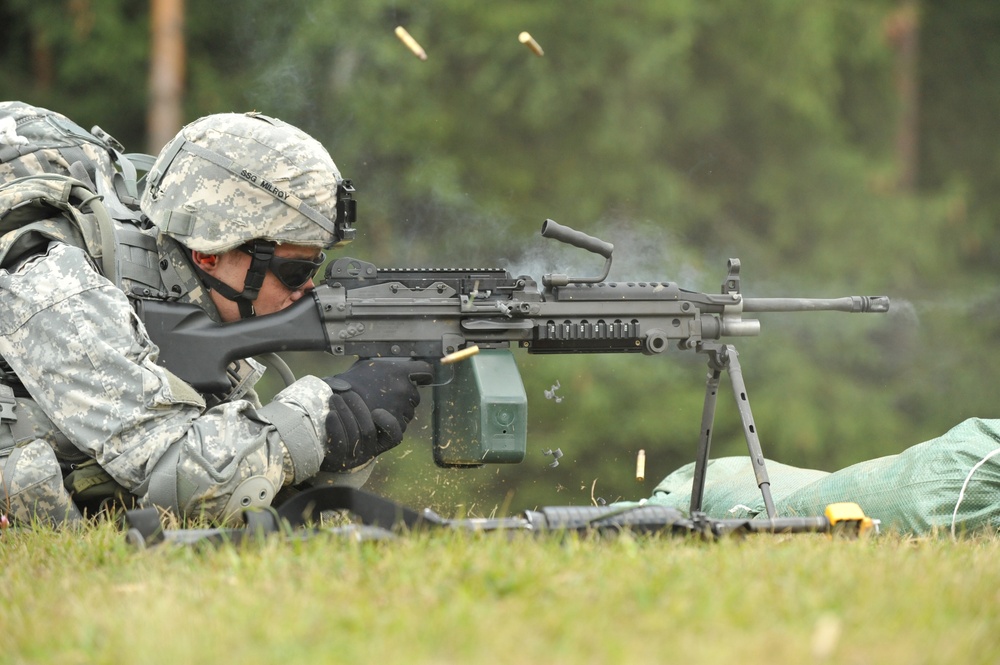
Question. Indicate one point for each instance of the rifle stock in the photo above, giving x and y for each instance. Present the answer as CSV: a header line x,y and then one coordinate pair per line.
x,y
199,350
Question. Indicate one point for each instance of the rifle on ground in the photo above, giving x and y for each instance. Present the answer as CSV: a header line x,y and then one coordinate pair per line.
x,y
375,518
469,319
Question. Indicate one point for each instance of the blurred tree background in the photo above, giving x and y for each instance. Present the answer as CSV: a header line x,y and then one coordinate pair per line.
x,y
836,148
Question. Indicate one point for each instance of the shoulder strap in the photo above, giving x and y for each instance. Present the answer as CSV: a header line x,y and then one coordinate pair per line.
x,y
38,209
27,206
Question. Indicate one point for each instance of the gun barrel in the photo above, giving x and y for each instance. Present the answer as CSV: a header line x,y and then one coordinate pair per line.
x,y
861,304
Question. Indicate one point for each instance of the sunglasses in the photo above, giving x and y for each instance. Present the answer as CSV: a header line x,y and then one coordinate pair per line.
x,y
292,273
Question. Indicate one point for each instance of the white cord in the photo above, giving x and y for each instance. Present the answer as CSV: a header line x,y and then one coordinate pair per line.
x,y
961,494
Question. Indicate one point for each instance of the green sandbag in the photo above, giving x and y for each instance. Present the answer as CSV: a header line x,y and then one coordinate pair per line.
x,y
951,483
730,487
920,490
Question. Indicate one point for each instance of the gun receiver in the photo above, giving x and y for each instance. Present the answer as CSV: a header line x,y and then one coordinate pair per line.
x,y
369,312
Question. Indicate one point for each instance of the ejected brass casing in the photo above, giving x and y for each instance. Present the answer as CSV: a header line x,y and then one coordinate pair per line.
x,y
529,41
410,42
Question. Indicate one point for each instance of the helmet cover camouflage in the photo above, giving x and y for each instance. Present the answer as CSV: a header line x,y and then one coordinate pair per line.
x,y
230,178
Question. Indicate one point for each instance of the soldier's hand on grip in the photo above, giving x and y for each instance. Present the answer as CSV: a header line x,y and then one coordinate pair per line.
x,y
371,406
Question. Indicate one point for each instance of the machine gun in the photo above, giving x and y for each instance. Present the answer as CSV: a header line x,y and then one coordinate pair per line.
x,y
468,320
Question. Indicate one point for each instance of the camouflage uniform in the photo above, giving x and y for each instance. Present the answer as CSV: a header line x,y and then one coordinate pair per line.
x,y
85,369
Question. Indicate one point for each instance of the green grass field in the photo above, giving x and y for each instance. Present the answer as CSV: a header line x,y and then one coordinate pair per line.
x,y
88,597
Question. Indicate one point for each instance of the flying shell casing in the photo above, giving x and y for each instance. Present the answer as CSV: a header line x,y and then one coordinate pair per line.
x,y
529,41
460,355
410,42
640,465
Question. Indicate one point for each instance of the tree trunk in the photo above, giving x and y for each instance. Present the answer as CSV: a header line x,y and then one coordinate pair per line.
x,y
166,72
902,31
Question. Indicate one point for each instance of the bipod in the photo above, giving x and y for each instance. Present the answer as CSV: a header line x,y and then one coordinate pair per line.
x,y
724,358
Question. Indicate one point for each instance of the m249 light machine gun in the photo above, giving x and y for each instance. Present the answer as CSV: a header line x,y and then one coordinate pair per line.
x,y
480,409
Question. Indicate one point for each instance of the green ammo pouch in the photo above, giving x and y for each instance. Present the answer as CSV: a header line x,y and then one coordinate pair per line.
x,y
88,483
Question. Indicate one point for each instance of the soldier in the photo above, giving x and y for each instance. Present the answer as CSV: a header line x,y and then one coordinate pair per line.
x,y
241,208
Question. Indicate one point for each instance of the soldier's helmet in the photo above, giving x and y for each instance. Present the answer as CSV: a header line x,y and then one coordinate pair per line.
x,y
228,179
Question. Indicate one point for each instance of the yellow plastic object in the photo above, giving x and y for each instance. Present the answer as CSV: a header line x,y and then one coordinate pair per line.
x,y
847,511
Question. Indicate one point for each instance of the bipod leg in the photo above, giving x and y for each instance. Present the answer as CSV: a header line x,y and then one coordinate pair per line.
x,y
732,365
707,423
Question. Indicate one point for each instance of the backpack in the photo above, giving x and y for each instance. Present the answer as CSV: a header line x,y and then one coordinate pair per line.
x,y
34,140
59,181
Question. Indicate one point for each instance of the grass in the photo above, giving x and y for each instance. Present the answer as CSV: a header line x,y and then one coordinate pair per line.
x,y
88,597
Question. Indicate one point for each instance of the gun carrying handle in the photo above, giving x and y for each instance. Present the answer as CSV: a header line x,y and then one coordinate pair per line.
x,y
576,238
572,237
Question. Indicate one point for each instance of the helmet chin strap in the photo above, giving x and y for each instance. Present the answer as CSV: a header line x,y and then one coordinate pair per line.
x,y
260,259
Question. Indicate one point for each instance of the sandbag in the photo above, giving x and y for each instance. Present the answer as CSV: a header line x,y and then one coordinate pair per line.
x,y
730,487
947,485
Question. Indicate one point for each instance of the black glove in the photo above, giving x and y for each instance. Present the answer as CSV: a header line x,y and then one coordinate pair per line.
x,y
372,404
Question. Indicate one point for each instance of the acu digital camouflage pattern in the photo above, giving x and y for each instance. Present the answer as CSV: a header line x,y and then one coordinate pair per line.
x,y
26,203
77,347
41,141
281,185
30,448
33,486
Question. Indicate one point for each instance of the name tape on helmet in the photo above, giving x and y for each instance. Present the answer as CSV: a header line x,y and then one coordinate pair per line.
x,y
264,184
